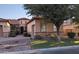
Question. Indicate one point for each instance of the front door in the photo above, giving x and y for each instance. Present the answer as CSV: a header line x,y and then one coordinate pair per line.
x,y
22,30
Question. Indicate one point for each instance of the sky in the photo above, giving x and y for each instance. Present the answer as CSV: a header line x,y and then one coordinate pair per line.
x,y
12,11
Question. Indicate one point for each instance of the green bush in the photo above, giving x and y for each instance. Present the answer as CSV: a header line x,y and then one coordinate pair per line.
x,y
71,34
78,34
26,34
53,35
38,37
12,33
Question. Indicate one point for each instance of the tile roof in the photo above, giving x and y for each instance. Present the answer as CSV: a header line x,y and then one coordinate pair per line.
x,y
34,18
13,21
23,19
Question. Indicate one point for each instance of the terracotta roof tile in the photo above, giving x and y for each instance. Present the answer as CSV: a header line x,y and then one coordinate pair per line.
x,y
13,21
23,19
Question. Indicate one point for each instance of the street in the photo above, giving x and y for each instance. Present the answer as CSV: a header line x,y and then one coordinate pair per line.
x,y
54,50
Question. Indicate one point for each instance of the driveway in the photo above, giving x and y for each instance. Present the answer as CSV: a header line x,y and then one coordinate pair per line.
x,y
12,44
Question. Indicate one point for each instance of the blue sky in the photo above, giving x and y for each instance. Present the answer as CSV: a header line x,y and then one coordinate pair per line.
x,y
12,11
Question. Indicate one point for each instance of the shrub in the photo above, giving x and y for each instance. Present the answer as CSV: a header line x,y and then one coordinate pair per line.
x,y
71,34
37,37
26,34
17,32
12,33
53,35
78,34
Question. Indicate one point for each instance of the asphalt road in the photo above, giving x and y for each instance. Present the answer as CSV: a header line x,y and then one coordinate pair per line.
x,y
54,50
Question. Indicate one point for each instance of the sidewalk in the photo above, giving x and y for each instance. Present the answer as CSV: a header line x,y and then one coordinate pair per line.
x,y
13,38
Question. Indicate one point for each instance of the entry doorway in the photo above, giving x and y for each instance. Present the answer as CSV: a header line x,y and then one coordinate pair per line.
x,y
21,30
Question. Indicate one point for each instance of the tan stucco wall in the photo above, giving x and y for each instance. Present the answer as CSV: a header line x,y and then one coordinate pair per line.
x,y
29,27
64,28
49,27
37,23
68,28
22,22
5,29
6,26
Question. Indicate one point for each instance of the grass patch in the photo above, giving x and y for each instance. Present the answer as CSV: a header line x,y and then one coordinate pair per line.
x,y
36,44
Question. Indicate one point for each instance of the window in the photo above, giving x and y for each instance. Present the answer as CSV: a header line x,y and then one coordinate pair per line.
x,y
67,22
43,26
21,21
54,28
0,26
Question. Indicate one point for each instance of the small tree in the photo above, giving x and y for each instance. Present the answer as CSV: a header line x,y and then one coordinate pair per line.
x,y
57,13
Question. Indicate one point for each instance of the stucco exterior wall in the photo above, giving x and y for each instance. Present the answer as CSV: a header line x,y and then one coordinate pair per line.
x,y
68,28
5,29
22,22
49,27
37,29
29,27
5,26
65,28
37,24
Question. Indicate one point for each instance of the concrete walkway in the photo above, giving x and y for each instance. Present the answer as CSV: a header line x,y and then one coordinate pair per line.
x,y
12,38
55,50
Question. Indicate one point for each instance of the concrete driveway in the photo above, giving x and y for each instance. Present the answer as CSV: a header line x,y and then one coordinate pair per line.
x,y
12,44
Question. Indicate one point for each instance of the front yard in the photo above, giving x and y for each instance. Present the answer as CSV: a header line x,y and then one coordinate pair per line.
x,y
36,44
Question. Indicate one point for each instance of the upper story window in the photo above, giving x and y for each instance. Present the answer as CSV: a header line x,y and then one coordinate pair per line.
x,y
54,28
21,21
0,26
67,22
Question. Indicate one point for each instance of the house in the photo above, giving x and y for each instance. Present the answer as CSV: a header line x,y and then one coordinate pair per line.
x,y
38,26
14,24
4,28
18,24
68,26
8,25
22,24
